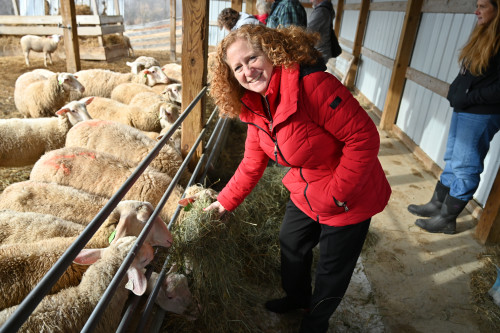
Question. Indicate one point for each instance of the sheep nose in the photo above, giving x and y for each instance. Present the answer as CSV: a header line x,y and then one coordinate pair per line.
x,y
82,89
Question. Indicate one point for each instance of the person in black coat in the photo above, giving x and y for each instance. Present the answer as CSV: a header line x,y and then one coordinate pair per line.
x,y
321,21
475,98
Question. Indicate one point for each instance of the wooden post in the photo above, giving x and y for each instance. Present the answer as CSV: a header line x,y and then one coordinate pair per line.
x,y
194,70
403,55
117,8
488,227
96,13
16,7
237,5
358,42
68,14
173,28
338,16
251,9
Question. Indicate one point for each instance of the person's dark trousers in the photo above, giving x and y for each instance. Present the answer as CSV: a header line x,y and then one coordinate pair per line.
x,y
339,249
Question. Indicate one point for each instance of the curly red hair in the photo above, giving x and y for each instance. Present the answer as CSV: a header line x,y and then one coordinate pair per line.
x,y
283,47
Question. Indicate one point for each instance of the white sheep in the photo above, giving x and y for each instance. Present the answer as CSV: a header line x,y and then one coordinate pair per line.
x,y
127,219
173,93
173,71
101,82
103,174
36,95
142,112
47,45
64,202
25,140
124,92
27,261
141,63
128,44
27,227
133,146
69,309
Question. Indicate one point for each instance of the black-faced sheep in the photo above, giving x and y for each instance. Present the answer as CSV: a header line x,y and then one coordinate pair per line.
x,y
25,140
39,95
69,309
47,45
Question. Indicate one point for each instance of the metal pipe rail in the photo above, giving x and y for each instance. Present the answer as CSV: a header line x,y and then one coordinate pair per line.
x,y
28,305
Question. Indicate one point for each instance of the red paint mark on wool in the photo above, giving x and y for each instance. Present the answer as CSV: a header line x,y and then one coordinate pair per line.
x,y
57,164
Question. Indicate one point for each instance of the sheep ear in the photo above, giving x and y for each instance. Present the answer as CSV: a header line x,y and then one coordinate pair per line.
x,y
166,112
62,111
88,256
129,64
137,281
89,100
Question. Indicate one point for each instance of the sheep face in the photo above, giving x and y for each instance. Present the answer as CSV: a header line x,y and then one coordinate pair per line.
x,y
173,92
169,113
155,76
69,82
76,111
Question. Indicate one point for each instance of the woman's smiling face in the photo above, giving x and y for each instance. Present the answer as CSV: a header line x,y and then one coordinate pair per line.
x,y
252,68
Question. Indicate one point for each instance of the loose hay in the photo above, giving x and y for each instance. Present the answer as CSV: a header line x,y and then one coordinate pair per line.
x,y
232,257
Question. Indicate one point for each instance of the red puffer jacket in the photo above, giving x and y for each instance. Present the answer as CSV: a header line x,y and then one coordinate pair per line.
x,y
320,131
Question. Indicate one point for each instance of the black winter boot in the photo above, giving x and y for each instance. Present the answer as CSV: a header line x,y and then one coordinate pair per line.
x,y
446,221
433,207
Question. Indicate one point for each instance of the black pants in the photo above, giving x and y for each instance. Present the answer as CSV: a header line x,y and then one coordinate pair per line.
x,y
339,249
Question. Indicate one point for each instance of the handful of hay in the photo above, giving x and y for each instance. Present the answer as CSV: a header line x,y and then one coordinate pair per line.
x,y
231,259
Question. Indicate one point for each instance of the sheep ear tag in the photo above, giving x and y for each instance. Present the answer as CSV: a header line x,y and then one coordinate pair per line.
x,y
112,236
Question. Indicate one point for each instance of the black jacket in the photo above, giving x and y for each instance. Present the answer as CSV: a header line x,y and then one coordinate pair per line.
x,y
321,21
477,94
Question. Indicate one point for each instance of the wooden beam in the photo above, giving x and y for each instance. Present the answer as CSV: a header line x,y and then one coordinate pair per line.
x,y
380,58
389,6
346,42
338,17
237,5
173,21
488,227
352,6
71,47
251,8
425,80
404,52
449,6
358,42
194,71
117,7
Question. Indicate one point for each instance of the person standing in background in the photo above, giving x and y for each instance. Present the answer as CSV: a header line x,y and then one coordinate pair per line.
x,y
263,10
285,13
320,21
230,19
475,98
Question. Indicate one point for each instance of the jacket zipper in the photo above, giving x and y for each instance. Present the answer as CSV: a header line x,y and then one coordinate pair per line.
x,y
270,118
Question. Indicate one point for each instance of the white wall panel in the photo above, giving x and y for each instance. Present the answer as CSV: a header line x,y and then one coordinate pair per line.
x,y
373,81
349,24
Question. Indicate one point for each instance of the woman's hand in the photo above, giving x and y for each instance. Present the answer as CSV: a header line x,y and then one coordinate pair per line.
x,y
216,205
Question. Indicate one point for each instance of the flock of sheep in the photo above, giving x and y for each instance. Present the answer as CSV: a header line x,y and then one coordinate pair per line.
x,y
86,133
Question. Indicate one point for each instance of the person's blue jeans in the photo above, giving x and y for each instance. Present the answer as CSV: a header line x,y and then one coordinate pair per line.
x,y
468,143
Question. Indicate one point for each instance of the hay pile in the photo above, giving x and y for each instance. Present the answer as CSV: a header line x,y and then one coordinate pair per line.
x,y
233,260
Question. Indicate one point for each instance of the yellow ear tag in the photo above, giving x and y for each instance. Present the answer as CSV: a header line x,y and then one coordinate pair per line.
x,y
112,236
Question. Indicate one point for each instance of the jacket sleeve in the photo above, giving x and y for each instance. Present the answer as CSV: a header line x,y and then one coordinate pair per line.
x,y
489,94
247,174
318,21
335,109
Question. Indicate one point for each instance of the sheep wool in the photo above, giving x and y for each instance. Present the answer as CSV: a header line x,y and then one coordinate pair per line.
x,y
102,174
62,201
36,96
141,63
124,92
68,310
101,82
25,140
47,45
134,145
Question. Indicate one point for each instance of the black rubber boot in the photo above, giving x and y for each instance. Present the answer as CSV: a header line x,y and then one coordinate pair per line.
x,y
433,207
446,221
283,305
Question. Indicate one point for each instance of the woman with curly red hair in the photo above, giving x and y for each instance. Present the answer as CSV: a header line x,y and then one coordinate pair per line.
x,y
304,119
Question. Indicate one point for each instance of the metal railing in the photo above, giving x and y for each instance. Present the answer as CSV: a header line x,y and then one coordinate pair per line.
x,y
28,305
